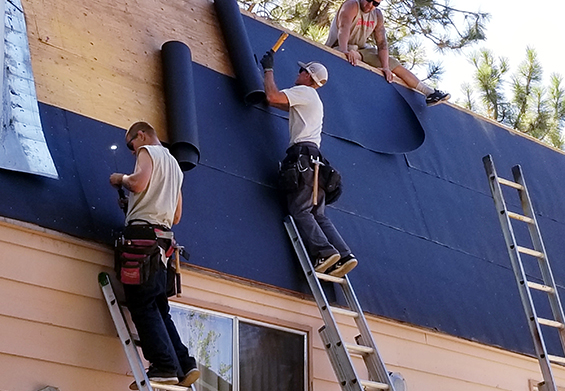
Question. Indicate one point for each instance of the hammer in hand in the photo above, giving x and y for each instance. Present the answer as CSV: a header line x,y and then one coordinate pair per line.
x,y
317,163
279,42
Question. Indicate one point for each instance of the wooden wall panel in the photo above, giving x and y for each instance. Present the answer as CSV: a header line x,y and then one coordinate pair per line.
x,y
102,58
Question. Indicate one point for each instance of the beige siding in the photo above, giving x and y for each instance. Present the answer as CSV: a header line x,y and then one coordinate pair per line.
x,y
56,329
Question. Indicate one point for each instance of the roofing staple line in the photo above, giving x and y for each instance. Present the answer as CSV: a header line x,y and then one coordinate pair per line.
x,y
417,236
237,176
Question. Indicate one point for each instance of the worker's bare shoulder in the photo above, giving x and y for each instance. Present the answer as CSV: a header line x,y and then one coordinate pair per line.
x,y
349,8
379,13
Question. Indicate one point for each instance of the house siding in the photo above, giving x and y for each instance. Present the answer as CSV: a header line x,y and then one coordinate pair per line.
x,y
56,328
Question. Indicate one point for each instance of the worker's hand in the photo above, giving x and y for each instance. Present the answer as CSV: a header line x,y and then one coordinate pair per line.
x,y
268,60
353,56
388,74
116,180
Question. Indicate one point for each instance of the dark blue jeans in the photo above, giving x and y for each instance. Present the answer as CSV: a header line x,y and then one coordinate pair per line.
x,y
317,231
160,341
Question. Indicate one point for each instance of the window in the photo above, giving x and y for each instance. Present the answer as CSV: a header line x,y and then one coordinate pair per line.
x,y
236,354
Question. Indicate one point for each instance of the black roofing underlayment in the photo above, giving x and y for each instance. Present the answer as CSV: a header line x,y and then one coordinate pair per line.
x,y
422,223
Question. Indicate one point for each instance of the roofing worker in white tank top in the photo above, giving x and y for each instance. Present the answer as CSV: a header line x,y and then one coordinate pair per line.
x,y
328,251
155,200
354,23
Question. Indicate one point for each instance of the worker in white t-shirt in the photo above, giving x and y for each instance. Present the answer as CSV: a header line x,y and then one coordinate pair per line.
x,y
326,247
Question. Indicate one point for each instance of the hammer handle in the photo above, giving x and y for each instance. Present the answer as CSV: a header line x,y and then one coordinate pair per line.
x,y
279,42
315,189
177,275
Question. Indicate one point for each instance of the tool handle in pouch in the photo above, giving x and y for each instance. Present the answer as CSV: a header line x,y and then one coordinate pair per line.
x,y
177,275
315,185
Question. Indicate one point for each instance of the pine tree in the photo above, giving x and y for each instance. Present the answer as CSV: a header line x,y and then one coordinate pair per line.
x,y
489,79
533,109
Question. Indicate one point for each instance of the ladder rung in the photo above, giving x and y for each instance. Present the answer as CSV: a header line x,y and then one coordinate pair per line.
x,y
523,218
541,287
529,251
327,277
556,359
373,385
343,311
551,323
159,386
358,349
513,184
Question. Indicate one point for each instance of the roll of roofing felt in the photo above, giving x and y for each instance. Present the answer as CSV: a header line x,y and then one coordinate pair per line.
x,y
181,105
242,58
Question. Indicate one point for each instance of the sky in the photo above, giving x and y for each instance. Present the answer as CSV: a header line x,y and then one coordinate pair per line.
x,y
514,25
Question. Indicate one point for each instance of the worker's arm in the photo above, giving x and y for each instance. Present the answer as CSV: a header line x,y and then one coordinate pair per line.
x,y
178,211
380,38
139,180
344,23
275,97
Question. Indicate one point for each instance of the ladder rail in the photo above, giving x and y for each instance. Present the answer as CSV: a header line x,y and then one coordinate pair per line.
x,y
333,341
128,342
332,334
519,273
124,334
375,361
544,265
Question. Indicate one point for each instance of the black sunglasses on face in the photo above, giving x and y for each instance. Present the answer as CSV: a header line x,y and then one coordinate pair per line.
x,y
302,70
375,3
129,143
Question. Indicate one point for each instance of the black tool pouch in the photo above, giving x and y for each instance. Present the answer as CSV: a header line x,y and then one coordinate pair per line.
x,y
289,177
137,254
330,180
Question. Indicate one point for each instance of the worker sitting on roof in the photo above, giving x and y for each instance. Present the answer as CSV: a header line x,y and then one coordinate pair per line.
x,y
306,200
354,23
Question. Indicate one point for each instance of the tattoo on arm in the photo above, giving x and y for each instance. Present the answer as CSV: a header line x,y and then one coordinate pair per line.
x,y
380,37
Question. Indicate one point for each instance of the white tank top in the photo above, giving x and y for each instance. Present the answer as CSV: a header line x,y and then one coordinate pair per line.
x,y
158,202
362,27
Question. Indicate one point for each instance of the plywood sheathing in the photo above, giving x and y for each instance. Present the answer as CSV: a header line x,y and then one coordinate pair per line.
x,y
102,59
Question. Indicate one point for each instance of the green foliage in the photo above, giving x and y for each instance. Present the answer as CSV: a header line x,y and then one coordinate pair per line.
x,y
468,102
445,26
489,81
203,342
533,109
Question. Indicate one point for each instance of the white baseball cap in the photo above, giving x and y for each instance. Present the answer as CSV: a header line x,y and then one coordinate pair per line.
x,y
318,72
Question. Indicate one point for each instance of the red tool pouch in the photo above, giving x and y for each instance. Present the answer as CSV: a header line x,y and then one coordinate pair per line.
x,y
137,255
137,260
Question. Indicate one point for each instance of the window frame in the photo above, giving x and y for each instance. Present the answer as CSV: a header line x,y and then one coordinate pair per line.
x,y
236,319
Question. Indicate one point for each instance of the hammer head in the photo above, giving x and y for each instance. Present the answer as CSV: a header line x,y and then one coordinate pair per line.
x,y
316,161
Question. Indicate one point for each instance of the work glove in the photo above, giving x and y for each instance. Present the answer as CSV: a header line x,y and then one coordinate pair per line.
x,y
268,61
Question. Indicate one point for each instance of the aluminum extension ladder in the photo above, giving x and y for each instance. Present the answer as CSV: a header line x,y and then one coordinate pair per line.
x,y
338,351
128,342
538,252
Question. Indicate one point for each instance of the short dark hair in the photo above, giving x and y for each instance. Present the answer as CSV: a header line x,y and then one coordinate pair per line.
x,y
141,126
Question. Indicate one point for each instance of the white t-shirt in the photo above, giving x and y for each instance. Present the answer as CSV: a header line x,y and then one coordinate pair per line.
x,y
305,115
158,202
